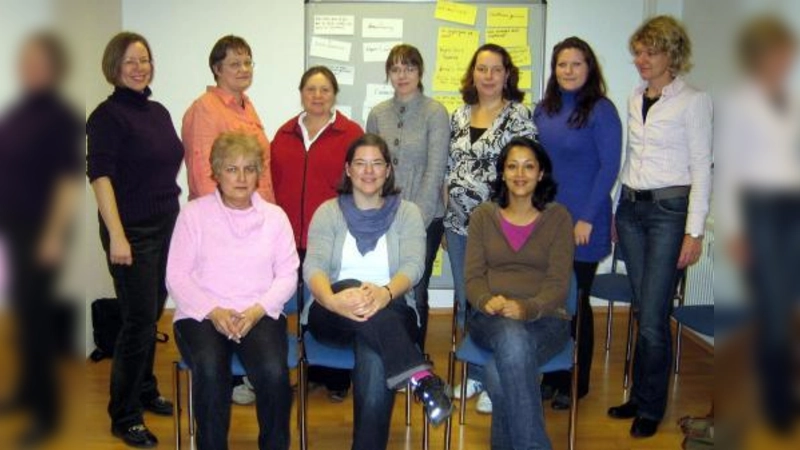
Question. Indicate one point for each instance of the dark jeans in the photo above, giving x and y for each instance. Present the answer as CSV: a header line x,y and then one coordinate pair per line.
x,y
561,380
263,353
511,376
434,235
651,235
141,292
386,356
772,223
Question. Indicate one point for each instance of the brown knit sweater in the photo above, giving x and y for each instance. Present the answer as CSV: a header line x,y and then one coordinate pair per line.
x,y
537,275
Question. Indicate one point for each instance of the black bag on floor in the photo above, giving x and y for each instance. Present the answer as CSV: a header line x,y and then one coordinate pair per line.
x,y
106,323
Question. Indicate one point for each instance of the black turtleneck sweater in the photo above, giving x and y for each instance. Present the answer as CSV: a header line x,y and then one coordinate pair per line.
x,y
131,140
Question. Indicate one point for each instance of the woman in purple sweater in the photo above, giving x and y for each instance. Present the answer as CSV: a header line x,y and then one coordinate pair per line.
x,y
582,132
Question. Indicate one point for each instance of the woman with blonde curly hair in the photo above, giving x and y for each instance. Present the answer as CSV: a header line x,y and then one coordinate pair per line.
x,y
666,184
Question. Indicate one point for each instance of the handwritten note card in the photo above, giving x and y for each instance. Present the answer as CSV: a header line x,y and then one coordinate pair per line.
x,y
507,36
334,25
458,37
456,12
520,55
382,28
376,93
330,49
506,17
450,102
458,57
378,51
525,79
345,75
447,78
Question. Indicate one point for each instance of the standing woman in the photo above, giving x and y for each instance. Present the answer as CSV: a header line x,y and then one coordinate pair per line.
x,y
307,164
491,116
223,107
581,131
133,158
666,183
417,130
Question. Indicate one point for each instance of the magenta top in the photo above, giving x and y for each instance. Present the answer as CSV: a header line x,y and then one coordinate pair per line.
x,y
516,235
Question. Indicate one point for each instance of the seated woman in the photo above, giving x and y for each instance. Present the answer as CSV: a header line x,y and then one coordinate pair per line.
x,y
518,269
232,266
365,253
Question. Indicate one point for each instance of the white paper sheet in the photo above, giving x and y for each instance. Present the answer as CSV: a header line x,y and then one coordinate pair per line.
x,y
334,25
382,28
378,51
376,93
330,49
345,75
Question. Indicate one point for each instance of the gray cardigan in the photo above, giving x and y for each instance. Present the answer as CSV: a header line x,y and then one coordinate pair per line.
x,y
405,242
418,134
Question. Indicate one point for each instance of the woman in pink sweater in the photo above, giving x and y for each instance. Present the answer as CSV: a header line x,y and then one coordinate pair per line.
x,y
232,266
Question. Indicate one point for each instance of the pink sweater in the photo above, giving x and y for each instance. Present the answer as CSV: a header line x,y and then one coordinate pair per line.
x,y
231,258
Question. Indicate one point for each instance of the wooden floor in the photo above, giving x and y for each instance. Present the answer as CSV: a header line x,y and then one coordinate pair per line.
x,y
330,424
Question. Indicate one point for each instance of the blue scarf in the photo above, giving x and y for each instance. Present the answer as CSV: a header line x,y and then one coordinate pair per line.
x,y
368,225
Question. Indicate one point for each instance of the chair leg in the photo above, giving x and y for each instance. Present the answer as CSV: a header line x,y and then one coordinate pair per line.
x,y
302,374
678,347
176,402
629,348
448,426
573,404
463,405
425,431
408,403
190,403
609,324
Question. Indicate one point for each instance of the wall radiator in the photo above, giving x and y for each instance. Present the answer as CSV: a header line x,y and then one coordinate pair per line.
x,y
700,276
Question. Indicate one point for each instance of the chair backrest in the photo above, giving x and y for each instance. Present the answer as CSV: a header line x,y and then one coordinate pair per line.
x,y
572,296
616,256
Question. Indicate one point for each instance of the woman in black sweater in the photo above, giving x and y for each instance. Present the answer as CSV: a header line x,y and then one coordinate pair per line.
x,y
133,159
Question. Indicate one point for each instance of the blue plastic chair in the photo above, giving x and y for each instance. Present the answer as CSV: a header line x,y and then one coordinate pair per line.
x,y
699,318
237,369
612,287
468,352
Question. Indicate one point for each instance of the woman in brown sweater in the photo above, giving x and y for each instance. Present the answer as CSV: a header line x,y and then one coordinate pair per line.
x,y
518,268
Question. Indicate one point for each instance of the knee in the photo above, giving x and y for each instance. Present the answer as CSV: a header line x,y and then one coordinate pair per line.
x,y
269,374
512,341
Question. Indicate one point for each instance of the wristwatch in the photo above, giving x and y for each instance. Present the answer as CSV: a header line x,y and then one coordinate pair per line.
x,y
696,236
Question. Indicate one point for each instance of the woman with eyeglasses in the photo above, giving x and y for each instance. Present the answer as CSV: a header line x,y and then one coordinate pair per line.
x,y
366,251
492,114
417,130
224,107
133,158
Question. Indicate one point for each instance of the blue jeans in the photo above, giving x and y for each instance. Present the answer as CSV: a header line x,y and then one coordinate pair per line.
x,y
518,348
651,235
263,353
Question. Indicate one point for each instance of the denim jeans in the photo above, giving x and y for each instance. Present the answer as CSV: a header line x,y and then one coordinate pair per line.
x,y
518,348
651,235
142,292
263,353
433,241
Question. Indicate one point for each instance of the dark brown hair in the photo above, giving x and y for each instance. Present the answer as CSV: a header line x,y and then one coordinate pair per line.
x,y
321,70
369,140
546,188
408,55
220,51
115,53
511,90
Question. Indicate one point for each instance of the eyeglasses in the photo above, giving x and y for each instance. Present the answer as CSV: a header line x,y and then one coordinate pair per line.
x,y
239,65
408,70
361,164
136,62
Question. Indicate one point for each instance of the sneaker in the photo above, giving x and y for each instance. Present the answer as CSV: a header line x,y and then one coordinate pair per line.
x,y
243,395
435,397
484,405
473,388
136,436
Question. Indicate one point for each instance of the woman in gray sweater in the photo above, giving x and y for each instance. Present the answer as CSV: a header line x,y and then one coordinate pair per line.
x,y
417,129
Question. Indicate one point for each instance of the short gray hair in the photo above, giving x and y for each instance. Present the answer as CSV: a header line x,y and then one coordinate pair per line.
x,y
231,145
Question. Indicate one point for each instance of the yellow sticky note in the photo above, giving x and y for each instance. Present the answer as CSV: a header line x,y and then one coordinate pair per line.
x,y
506,17
458,37
507,36
525,77
521,56
459,56
450,102
447,78
456,12
437,264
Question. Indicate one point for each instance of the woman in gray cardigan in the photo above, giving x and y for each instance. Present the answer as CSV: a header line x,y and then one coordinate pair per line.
x,y
365,253
418,130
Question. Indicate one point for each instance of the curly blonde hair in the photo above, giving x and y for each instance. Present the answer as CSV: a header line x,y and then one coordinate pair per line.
x,y
233,144
665,34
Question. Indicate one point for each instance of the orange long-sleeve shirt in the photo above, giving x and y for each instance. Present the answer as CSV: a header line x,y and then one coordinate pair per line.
x,y
215,112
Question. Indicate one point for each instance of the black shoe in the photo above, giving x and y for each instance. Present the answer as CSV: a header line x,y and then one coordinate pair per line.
x,y
136,436
642,427
159,406
337,395
561,401
627,410
436,398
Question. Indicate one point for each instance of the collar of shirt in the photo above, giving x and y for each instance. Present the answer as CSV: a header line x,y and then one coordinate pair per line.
x,y
669,90
227,98
307,141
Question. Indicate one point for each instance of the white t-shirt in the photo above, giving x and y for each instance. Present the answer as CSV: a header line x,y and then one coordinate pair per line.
x,y
372,267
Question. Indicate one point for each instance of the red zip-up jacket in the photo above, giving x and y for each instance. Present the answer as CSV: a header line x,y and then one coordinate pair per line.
x,y
303,180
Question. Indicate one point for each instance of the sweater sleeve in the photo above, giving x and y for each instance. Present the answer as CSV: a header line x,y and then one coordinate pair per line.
x,y
555,286
104,141
181,264
198,132
607,136
321,238
438,143
284,267
475,264
412,242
